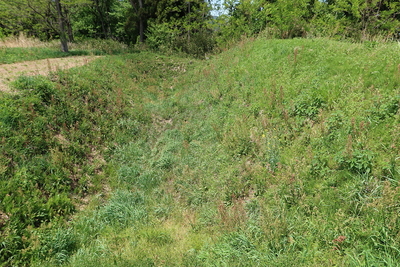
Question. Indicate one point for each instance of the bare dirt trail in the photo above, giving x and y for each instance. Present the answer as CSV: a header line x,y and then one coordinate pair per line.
x,y
9,72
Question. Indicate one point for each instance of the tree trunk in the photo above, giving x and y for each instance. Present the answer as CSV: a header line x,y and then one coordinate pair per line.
x,y
61,22
68,25
101,15
140,13
141,24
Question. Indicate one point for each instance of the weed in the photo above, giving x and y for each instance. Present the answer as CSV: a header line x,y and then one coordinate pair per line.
x,y
360,161
384,108
308,106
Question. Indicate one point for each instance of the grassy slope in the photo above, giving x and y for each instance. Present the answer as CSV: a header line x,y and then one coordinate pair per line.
x,y
277,152
56,136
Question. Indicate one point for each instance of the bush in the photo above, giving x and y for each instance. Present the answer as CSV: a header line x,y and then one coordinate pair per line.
x,y
166,38
308,106
360,161
160,37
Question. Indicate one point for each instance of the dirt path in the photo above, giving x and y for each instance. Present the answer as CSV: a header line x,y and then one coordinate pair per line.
x,y
9,72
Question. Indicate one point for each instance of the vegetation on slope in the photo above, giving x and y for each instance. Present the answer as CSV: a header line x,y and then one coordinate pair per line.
x,y
275,153
56,135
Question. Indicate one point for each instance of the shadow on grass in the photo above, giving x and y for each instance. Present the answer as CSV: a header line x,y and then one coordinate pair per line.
x,y
17,54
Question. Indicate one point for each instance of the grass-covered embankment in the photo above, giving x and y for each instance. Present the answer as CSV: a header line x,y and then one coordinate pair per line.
x,y
57,135
275,153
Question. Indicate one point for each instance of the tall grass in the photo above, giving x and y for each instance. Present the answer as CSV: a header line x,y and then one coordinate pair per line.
x,y
274,153
23,41
20,48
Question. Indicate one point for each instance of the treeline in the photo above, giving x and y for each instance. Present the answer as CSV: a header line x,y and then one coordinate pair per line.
x,y
128,21
189,25
355,19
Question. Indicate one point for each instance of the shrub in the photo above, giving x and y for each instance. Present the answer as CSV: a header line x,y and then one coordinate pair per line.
x,y
166,38
160,37
308,106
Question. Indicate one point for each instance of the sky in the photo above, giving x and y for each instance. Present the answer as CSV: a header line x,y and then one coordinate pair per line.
x,y
218,8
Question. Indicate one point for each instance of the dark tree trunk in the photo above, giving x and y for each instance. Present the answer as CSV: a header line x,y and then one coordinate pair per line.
x,y
140,12
141,23
101,16
61,22
68,25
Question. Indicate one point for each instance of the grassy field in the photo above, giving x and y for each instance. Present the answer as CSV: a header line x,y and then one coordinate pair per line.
x,y
21,49
274,153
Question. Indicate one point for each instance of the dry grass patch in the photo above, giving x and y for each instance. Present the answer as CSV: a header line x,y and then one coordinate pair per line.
x,y
23,41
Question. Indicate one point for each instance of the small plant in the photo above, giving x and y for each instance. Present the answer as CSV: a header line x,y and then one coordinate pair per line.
x,y
238,141
308,106
37,85
385,108
319,167
360,161
334,123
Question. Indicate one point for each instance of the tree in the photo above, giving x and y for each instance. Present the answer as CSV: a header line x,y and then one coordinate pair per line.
x,y
62,31
31,16
138,7
368,17
290,17
45,19
244,18
182,25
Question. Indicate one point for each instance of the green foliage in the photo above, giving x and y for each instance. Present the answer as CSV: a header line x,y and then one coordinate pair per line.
x,y
360,161
365,19
244,18
181,27
101,19
385,107
308,106
2,34
289,17
356,20
160,37
54,137
58,245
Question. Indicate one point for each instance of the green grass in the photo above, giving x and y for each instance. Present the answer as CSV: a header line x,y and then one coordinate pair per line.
x,y
17,54
274,153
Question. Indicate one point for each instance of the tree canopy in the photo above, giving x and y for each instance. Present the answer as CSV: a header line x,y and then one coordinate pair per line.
x,y
187,25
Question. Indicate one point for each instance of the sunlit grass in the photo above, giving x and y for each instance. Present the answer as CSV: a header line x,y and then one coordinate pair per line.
x,y
275,153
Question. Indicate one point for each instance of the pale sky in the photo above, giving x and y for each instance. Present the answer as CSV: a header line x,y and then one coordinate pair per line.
x,y
215,4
